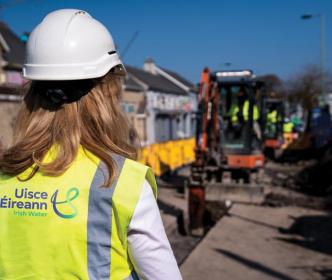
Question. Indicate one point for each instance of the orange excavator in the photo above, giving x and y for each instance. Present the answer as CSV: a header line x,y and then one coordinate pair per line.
x,y
229,135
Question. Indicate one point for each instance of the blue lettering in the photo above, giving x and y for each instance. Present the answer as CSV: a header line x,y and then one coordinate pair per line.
x,y
35,205
30,195
27,205
43,206
20,205
17,194
44,195
24,193
3,202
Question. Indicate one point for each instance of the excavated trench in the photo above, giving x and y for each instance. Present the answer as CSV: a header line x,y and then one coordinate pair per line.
x,y
286,184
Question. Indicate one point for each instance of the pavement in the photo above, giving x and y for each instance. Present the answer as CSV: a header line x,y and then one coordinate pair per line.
x,y
255,242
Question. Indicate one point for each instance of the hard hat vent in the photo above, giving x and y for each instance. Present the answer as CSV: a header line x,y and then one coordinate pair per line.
x,y
80,12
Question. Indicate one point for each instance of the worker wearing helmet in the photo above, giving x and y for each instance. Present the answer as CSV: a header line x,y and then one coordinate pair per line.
x,y
288,126
73,202
240,114
271,121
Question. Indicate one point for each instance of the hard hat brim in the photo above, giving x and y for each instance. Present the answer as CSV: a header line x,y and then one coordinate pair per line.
x,y
65,72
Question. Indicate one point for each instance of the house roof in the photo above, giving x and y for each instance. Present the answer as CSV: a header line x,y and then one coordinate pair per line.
x,y
15,55
180,78
154,82
131,84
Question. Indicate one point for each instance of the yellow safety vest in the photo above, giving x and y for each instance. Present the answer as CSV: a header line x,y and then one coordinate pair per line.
x,y
68,227
245,112
288,127
272,117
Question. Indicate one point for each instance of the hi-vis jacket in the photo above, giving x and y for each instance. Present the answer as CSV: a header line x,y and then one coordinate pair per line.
x,y
67,227
245,112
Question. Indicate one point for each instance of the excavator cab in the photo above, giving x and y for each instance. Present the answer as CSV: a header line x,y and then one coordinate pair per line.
x,y
230,130
239,111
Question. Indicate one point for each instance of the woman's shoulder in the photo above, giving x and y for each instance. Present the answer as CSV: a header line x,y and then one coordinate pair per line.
x,y
127,162
133,171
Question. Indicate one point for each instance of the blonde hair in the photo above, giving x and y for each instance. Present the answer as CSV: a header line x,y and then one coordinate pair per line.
x,y
95,121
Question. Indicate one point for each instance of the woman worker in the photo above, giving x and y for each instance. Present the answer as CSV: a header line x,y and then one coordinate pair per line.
x,y
73,202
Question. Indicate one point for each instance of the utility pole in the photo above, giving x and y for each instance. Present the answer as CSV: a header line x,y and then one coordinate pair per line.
x,y
322,56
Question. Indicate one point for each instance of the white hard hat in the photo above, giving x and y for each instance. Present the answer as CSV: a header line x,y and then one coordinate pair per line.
x,y
69,45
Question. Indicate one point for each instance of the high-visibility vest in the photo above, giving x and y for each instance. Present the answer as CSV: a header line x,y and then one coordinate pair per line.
x,y
272,117
288,127
68,227
245,112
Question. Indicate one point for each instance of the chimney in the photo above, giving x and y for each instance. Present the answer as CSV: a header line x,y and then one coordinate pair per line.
x,y
150,66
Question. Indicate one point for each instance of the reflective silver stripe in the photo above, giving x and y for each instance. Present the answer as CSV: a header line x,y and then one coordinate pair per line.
x,y
100,223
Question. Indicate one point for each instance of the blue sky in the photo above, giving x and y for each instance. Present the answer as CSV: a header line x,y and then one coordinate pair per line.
x,y
267,36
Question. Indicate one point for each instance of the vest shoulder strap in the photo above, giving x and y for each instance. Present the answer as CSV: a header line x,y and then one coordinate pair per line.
x,y
127,192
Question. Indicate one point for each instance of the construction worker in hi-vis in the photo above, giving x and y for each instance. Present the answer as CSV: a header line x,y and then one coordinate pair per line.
x,y
271,122
288,126
73,202
245,112
240,113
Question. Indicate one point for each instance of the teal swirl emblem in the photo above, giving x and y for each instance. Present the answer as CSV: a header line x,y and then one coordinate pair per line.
x,y
70,196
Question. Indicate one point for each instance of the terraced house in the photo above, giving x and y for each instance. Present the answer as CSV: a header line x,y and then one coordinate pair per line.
x,y
169,119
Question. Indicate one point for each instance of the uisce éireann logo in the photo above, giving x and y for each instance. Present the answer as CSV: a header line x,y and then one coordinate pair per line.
x,y
71,195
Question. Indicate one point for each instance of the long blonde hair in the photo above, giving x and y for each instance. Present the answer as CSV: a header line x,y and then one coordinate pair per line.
x,y
95,121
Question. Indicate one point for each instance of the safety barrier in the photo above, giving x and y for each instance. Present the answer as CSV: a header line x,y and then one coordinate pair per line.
x,y
168,156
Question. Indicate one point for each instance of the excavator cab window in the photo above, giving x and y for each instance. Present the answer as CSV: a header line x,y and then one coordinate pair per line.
x,y
234,113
